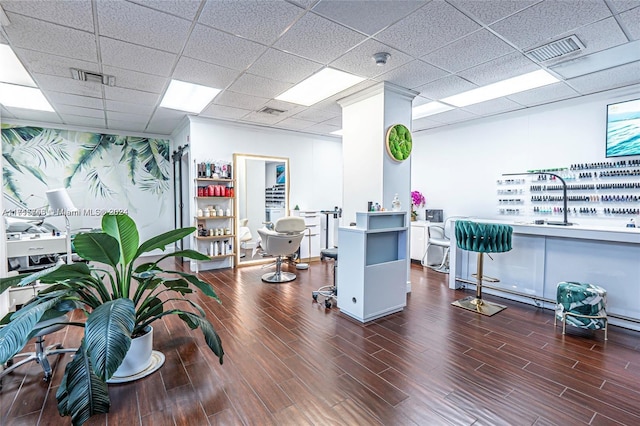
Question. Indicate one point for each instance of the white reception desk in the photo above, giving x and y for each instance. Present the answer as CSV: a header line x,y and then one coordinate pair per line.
x,y
544,255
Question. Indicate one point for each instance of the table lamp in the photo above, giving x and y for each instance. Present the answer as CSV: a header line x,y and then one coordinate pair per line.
x,y
61,204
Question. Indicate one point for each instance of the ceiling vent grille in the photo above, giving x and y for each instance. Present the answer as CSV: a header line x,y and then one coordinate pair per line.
x,y
556,49
271,111
93,77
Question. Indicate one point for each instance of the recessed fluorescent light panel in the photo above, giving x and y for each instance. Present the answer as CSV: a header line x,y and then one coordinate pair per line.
x,y
429,108
337,132
326,82
502,88
12,95
188,97
12,70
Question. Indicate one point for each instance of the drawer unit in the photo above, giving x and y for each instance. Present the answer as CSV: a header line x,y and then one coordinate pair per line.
x,y
311,240
36,246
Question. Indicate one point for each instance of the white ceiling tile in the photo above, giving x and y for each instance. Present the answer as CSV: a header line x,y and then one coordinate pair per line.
x,y
44,63
3,40
258,20
546,20
492,107
204,73
413,74
337,121
315,115
140,25
295,123
182,8
5,113
446,86
59,98
80,111
474,49
318,39
622,5
322,128
359,61
261,117
136,80
366,16
595,37
219,48
430,27
453,116
259,86
331,102
126,107
74,14
282,66
130,95
68,85
125,116
423,124
34,115
137,58
420,100
499,69
129,126
631,21
168,114
77,120
545,94
41,36
162,127
489,11
224,112
306,4
624,75
288,108
240,100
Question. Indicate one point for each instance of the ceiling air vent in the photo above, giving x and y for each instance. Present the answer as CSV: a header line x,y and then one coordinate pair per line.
x,y
271,111
93,77
556,49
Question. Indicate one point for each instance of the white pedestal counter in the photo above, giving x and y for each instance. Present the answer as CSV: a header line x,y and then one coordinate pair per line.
x,y
544,255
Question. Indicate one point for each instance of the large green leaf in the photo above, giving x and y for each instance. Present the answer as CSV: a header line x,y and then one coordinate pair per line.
x,y
204,286
210,335
81,393
162,240
108,335
98,246
64,272
124,230
188,253
5,283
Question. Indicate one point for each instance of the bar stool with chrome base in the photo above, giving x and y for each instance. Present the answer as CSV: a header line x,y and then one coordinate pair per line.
x,y
329,292
482,238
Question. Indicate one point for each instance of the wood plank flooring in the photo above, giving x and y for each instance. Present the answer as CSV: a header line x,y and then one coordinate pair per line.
x,y
290,361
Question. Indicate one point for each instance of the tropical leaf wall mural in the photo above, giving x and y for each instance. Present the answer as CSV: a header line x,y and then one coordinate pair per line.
x,y
101,172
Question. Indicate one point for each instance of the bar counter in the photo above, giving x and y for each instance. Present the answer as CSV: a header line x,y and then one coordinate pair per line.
x,y
544,255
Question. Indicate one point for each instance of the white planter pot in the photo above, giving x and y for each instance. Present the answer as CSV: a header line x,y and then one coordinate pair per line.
x,y
138,358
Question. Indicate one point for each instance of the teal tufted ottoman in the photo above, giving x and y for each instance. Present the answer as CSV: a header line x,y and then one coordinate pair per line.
x,y
482,238
581,305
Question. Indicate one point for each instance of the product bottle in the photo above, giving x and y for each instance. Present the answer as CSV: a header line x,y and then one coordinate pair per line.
x,y
216,248
395,204
210,253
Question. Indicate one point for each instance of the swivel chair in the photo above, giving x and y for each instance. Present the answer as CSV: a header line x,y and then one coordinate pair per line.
x,y
283,241
482,238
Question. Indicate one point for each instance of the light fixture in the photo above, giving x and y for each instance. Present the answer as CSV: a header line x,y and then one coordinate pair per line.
x,y
616,56
429,108
502,88
326,82
188,97
61,204
12,70
12,95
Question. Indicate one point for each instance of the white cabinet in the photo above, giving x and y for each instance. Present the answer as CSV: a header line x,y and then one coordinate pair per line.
x,y
41,245
372,265
419,238
310,246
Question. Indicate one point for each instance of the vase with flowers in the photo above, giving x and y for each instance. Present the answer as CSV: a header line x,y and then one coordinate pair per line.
x,y
417,200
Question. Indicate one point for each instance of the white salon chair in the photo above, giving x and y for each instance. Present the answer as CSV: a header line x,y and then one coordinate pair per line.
x,y
244,236
282,241
438,236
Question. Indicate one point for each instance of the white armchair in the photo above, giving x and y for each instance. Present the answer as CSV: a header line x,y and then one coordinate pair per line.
x,y
280,242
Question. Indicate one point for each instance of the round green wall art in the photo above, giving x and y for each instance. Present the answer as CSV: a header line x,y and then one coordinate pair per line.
x,y
399,142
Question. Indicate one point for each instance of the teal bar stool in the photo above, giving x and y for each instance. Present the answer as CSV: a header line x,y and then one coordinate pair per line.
x,y
581,305
482,238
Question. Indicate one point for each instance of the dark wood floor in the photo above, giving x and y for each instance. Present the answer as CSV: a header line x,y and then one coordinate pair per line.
x,y
292,362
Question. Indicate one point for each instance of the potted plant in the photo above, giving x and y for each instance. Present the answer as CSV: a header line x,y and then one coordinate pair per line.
x,y
417,200
120,301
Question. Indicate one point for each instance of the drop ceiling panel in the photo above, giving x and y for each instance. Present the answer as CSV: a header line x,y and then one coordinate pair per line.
x,y
33,115
60,98
123,116
42,36
337,121
77,120
423,124
609,79
131,126
453,116
44,63
359,61
126,107
182,8
622,5
162,127
489,11
259,86
262,118
631,20
472,50
3,40
288,108
239,100
413,74
295,123
136,58
5,113
261,21
204,73
597,36
315,115
130,95
318,39
224,112
547,19
444,87
492,107
322,128
80,111
140,25
545,94
74,14
429,28
498,69
366,16
137,80
282,66
67,85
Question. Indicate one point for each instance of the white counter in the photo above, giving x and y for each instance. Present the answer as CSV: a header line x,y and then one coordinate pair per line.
x,y
544,255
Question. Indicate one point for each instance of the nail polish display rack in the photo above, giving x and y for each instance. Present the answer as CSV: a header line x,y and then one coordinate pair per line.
x,y
603,190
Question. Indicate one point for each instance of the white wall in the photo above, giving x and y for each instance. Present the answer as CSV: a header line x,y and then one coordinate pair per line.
x,y
456,167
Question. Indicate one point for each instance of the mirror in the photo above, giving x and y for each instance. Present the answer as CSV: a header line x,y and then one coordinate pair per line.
x,y
262,195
